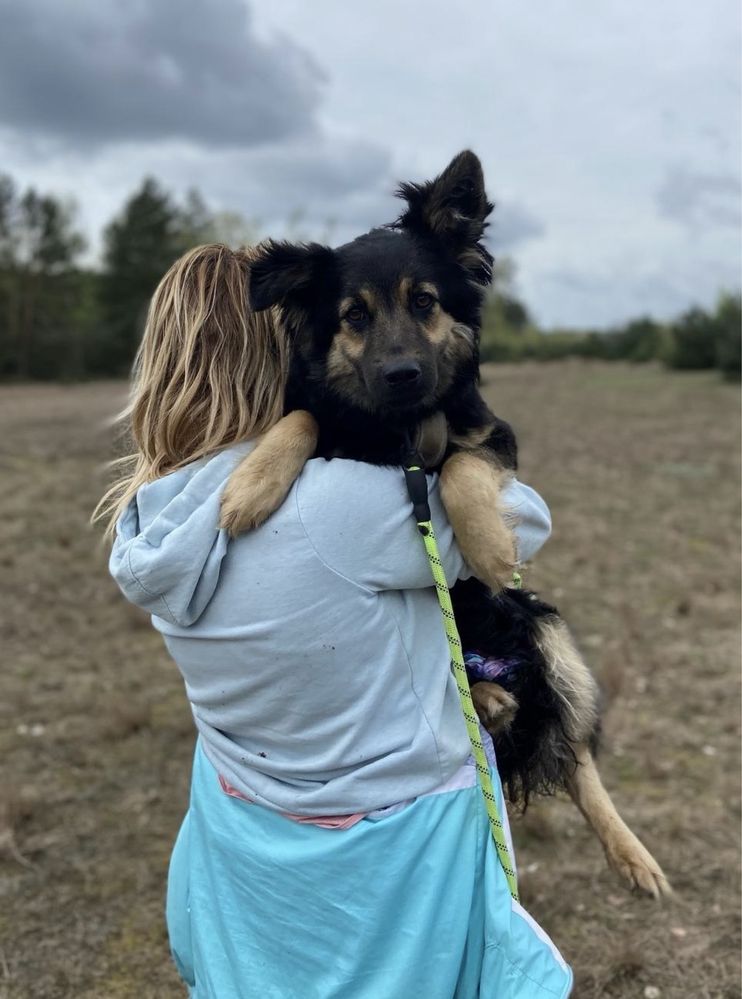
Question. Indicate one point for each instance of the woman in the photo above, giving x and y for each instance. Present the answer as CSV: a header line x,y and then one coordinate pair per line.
x,y
336,843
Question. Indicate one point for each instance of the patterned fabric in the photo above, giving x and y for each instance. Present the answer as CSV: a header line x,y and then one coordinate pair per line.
x,y
496,670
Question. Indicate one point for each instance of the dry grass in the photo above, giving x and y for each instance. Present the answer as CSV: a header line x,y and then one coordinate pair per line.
x,y
641,471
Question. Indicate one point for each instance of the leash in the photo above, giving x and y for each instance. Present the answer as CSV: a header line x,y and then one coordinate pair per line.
x,y
417,486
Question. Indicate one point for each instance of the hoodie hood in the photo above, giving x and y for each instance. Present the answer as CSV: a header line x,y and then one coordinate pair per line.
x,y
168,550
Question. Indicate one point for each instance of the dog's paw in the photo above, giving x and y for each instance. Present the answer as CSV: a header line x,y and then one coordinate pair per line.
x,y
494,705
635,864
253,493
262,480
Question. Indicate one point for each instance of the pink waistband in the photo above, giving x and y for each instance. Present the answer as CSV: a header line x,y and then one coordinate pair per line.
x,y
465,776
325,821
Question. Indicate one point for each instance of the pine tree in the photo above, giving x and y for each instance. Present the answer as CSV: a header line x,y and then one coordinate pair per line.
x,y
139,246
39,246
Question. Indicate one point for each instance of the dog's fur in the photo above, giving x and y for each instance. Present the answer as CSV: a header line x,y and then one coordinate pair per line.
x,y
385,349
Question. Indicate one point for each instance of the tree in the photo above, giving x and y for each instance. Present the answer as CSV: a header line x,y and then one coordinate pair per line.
x,y
694,341
729,336
233,229
514,312
139,246
39,246
640,340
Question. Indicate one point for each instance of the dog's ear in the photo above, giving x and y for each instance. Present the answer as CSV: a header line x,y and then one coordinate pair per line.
x,y
287,273
453,208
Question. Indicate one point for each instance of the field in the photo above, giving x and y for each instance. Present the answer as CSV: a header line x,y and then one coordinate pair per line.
x,y
640,468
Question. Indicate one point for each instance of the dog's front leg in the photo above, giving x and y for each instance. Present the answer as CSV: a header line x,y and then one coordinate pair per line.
x,y
262,480
624,852
471,487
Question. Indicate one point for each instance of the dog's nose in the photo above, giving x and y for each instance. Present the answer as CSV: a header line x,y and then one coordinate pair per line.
x,y
402,374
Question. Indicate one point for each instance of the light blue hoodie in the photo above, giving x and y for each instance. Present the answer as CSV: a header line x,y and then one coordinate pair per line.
x,y
312,648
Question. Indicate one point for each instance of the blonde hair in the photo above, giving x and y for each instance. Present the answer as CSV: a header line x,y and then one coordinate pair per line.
x,y
208,372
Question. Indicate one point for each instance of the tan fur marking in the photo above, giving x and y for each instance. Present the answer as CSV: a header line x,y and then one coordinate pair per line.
x,y
342,358
431,439
346,344
569,677
369,297
494,705
471,487
262,480
339,365
624,852
403,292
474,438
438,327
345,352
455,344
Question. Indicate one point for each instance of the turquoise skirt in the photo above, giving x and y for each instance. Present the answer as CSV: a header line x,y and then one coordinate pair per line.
x,y
409,902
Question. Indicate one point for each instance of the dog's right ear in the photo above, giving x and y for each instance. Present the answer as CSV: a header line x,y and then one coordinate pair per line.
x,y
286,273
453,209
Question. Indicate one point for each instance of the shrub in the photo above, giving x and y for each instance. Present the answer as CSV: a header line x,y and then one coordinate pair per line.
x,y
729,336
693,341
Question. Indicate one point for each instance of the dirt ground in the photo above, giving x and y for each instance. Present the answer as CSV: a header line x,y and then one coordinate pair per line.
x,y
640,468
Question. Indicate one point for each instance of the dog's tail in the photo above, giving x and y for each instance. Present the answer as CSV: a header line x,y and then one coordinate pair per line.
x,y
558,698
570,678
559,709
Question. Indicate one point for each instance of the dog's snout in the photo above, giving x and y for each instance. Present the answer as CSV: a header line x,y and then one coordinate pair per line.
x,y
402,374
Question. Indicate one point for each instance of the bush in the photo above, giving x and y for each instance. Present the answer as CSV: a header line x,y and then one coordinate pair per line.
x,y
693,342
702,340
729,336
640,340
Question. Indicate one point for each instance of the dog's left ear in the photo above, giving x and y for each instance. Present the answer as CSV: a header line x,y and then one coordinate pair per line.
x,y
453,208
288,274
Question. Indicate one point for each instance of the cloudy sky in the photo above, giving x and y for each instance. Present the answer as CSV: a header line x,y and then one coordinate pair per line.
x,y
609,132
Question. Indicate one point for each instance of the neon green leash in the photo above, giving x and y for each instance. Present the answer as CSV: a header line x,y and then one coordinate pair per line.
x,y
417,486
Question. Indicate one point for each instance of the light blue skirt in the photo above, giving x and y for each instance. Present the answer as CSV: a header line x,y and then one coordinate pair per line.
x,y
405,904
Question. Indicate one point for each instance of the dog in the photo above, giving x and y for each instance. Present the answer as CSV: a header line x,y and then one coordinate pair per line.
x,y
384,340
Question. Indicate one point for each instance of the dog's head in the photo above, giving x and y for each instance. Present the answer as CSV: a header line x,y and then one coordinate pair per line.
x,y
389,322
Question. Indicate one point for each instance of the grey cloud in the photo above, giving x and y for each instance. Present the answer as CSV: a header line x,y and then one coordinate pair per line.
x,y
98,71
700,200
512,225
600,297
321,168
318,185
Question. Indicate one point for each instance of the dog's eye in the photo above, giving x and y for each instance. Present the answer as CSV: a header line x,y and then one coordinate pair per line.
x,y
423,301
355,314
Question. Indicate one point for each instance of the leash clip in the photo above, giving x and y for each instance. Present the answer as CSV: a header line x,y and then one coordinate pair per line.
x,y
417,484
417,487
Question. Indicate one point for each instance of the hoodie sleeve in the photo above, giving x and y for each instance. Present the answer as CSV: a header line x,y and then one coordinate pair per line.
x,y
359,520
168,548
531,516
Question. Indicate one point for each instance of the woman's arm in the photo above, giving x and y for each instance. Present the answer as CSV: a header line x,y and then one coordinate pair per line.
x,y
358,518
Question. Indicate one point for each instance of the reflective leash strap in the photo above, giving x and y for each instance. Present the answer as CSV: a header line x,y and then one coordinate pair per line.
x,y
418,489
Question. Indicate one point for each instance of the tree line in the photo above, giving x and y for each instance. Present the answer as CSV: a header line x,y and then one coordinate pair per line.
x,y
62,319
698,339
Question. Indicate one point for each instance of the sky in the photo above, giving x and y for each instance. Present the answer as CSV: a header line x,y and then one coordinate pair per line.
x,y
609,132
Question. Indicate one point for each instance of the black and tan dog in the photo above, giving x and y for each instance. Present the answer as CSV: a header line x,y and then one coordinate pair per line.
x,y
384,336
